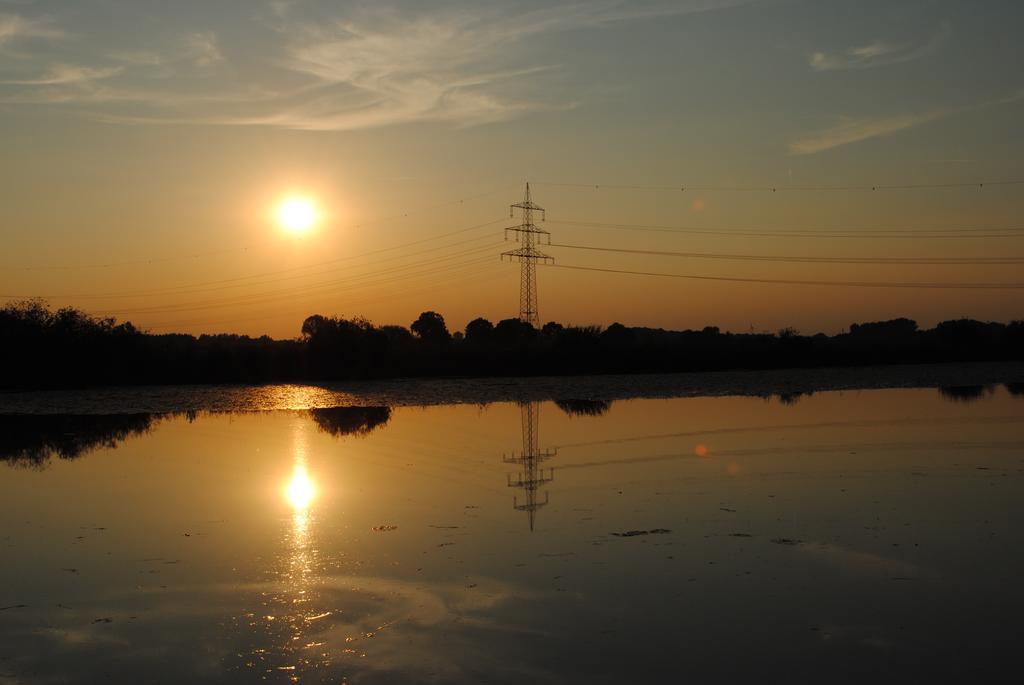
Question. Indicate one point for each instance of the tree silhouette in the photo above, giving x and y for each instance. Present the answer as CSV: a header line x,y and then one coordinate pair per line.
x,y
965,393
584,407
479,331
552,329
339,421
33,439
44,348
430,327
512,331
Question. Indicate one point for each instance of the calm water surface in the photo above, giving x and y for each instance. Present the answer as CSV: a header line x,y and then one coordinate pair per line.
x,y
837,537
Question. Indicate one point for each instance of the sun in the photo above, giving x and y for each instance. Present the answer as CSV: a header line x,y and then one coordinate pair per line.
x,y
297,215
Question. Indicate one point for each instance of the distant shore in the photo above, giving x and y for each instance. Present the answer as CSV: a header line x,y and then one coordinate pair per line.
x,y
957,380
68,348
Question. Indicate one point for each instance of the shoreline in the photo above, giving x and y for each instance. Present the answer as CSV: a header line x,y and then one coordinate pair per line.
x,y
434,391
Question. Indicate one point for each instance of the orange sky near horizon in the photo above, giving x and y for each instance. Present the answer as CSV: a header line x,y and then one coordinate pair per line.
x,y
141,175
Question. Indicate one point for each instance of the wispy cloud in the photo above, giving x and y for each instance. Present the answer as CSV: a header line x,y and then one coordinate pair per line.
x,y
852,130
363,68
14,27
387,68
145,58
878,53
67,74
198,49
202,49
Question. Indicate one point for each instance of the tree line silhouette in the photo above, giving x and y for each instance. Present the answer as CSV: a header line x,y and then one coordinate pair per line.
x,y
32,440
45,348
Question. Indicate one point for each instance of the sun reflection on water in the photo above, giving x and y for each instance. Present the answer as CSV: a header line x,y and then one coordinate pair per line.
x,y
300,490
292,608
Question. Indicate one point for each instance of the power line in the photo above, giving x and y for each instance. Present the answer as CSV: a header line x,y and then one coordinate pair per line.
x,y
354,283
309,289
197,287
808,233
784,188
196,255
804,260
852,284
476,275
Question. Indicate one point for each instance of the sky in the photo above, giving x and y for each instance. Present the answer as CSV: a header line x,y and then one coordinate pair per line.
x,y
145,147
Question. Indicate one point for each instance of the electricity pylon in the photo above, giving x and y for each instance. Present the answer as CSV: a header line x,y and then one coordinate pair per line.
x,y
528,236
532,476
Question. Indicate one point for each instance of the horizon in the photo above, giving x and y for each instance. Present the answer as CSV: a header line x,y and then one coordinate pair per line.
x,y
453,329
234,170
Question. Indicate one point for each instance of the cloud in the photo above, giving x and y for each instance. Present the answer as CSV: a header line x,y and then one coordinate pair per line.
x,y
198,49
362,69
388,68
144,58
281,8
14,27
878,53
202,49
66,74
852,130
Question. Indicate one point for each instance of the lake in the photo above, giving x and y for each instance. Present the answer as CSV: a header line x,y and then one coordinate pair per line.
x,y
836,536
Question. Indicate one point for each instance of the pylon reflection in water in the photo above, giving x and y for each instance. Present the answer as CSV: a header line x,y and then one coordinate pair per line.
x,y
532,476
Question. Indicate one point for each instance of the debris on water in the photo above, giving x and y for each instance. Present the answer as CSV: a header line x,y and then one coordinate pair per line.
x,y
634,533
731,511
70,570
445,544
787,541
14,606
384,529
740,535
188,535
103,620
471,586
